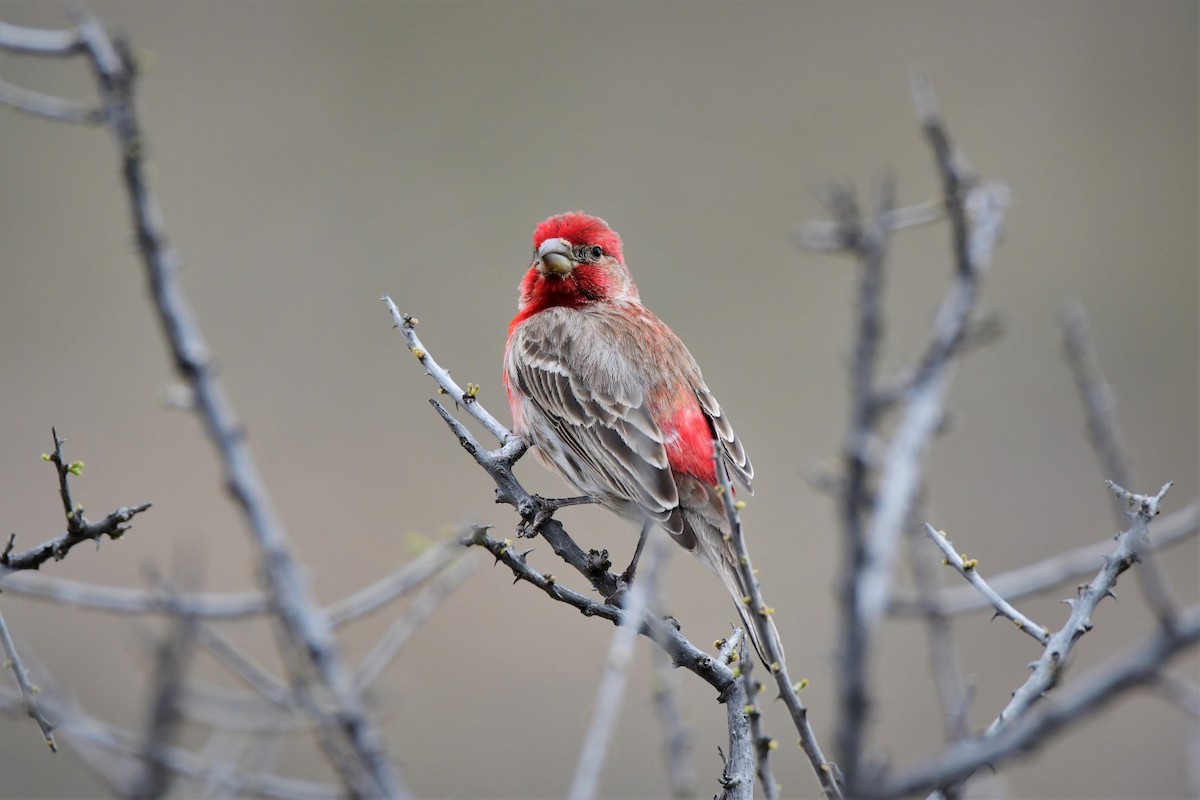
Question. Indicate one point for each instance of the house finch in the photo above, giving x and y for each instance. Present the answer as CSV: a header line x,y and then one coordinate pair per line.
x,y
609,397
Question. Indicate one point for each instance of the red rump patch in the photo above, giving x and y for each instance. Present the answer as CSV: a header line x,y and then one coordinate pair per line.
x,y
579,228
689,443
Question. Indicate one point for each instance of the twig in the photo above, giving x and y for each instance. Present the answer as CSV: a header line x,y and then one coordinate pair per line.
x,y
163,718
953,690
412,618
347,735
1151,578
399,583
677,737
1048,573
1094,691
968,568
79,529
28,691
975,211
406,325
737,777
1048,669
112,751
40,41
585,784
1099,402
763,744
760,615
216,606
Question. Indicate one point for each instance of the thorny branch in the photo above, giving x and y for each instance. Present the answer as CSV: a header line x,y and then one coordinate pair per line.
x,y
1044,575
999,741
346,733
593,565
1137,666
827,773
968,568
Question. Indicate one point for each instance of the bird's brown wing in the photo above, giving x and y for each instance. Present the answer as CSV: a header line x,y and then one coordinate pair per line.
x,y
594,422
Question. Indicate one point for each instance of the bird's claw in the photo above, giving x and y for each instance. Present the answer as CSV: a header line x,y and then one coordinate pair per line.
x,y
540,510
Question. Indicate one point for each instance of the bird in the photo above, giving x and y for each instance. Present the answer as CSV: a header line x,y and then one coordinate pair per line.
x,y
609,397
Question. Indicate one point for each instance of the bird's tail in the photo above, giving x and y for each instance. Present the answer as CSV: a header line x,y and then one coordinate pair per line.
x,y
708,526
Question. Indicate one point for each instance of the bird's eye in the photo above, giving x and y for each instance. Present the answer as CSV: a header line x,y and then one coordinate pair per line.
x,y
597,252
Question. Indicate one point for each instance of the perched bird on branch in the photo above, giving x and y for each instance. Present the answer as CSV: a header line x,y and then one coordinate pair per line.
x,y
609,397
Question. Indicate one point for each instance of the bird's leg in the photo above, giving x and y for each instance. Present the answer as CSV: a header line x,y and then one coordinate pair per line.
x,y
627,575
544,509
626,578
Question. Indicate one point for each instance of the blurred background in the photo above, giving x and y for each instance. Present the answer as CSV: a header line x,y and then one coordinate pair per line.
x,y
310,157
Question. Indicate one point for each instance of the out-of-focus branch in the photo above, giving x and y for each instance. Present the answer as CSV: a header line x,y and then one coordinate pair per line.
x,y
1093,691
215,606
976,213
664,690
1099,402
346,733
1104,433
52,43
28,691
79,529
677,737
585,784
412,618
968,569
165,712
875,513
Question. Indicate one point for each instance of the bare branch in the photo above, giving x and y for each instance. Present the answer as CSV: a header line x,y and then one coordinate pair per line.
x,y
1048,669
452,575
760,616
737,778
214,606
1098,400
48,106
968,568
79,529
28,690
164,715
585,784
677,737
112,752
1094,691
1048,573
400,582
40,41
763,744
348,736
407,326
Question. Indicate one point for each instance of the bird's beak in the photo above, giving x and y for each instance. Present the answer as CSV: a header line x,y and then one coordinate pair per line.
x,y
554,258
